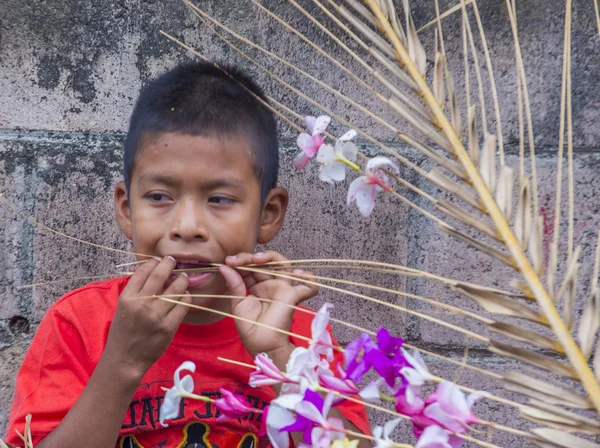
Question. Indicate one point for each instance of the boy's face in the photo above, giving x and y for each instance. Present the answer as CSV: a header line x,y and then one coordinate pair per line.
x,y
197,199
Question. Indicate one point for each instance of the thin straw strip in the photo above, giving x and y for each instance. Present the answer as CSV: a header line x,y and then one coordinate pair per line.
x,y
490,69
571,174
64,235
552,268
374,300
521,74
482,105
443,16
597,15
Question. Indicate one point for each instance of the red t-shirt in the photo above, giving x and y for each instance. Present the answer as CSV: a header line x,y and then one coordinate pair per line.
x,y
68,346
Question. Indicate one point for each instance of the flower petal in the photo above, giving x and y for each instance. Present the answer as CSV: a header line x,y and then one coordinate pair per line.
x,y
349,151
278,418
348,136
169,408
370,392
319,125
326,154
433,437
365,199
333,172
306,143
186,365
379,162
309,121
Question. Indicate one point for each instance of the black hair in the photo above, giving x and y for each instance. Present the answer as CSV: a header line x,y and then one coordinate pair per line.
x,y
199,98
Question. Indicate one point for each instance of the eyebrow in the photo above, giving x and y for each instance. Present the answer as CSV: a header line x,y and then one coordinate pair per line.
x,y
172,181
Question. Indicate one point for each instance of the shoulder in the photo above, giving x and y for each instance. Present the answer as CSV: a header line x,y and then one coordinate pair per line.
x,y
94,299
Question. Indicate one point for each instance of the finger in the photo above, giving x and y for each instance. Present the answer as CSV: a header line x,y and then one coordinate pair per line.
x,y
140,276
155,283
305,291
178,312
233,280
178,286
241,259
271,256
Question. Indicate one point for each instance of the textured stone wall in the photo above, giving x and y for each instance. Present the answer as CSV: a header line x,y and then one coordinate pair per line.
x,y
69,75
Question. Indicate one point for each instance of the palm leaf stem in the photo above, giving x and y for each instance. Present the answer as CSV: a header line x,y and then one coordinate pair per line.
x,y
563,335
447,13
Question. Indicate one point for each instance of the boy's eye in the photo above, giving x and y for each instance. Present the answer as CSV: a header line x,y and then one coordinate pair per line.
x,y
221,200
157,197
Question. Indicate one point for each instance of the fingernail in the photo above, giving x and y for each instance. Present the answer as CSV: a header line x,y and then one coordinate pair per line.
x,y
259,253
232,257
171,258
185,274
298,271
187,292
158,259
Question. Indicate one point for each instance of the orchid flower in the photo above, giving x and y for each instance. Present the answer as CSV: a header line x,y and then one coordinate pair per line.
x,y
275,419
382,434
371,392
321,342
169,409
449,407
414,376
303,423
302,370
354,357
266,372
364,189
327,429
310,143
341,384
231,405
333,161
433,437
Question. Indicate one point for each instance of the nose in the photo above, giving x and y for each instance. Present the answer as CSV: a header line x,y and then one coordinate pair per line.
x,y
189,223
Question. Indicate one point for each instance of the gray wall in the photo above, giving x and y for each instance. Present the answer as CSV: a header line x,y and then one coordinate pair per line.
x,y
70,72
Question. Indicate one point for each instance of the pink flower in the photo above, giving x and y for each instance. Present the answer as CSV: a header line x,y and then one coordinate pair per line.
x,y
449,407
232,406
321,342
310,144
364,189
266,373
433,437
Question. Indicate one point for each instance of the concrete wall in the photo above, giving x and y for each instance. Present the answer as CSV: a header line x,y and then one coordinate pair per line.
x,y
69,75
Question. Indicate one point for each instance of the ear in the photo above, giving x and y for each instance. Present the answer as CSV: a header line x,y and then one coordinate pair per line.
x,y
122,210
273,214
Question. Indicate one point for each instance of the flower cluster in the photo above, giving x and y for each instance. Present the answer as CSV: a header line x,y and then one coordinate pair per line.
x,y
334,160
403,374
311,386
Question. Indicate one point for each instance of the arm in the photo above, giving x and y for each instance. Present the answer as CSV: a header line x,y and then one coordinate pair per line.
x,y
276,313
141,331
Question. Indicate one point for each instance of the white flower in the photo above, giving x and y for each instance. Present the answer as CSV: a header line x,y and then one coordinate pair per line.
x,y
333,161
382,434
169,409
277,418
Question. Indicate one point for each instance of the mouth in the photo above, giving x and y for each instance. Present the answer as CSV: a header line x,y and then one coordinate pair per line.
x,y
191,266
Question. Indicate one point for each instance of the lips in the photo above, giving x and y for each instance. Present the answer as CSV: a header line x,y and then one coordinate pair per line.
x,y
189,263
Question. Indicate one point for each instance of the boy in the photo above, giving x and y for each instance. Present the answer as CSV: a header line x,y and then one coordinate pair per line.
x,y
200,186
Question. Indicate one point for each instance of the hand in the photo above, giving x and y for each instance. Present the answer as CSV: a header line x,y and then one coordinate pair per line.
x,y
143,327
275,313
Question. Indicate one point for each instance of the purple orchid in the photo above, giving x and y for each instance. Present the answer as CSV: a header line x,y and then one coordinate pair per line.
x,y
354,357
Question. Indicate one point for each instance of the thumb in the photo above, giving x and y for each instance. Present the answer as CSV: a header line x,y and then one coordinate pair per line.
x,y
234,281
